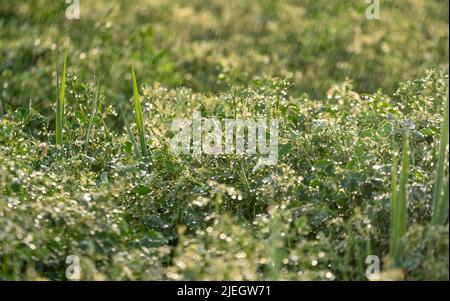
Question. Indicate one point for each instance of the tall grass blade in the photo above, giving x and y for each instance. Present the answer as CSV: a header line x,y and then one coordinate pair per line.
x,y
440,202
93,111
60,105
138,113
443,206
399,215
394,187
130,135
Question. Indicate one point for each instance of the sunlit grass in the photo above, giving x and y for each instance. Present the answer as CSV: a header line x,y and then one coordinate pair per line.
x,y
327,221
440,195
130,134
60,105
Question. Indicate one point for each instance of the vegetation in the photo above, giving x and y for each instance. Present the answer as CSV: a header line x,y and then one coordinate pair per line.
x,y
60,106
363,140
399,205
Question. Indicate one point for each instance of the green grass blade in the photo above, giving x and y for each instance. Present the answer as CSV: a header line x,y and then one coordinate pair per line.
x,y
443,206
439,216
400,214
60,105
394,187
130,135
93,111
275,248
138,114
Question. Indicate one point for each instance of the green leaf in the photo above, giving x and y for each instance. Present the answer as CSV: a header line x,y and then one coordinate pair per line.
x,y
368,133
285,149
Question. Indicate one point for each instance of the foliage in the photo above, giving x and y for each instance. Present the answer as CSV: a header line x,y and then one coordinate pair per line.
x,y
316,215
346,92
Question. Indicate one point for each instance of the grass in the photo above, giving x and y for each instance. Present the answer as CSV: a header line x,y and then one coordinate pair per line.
x,y
231,231
399,205
130,135
92,115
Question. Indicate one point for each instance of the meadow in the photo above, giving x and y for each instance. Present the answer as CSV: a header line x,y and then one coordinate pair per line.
x,y
87,170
